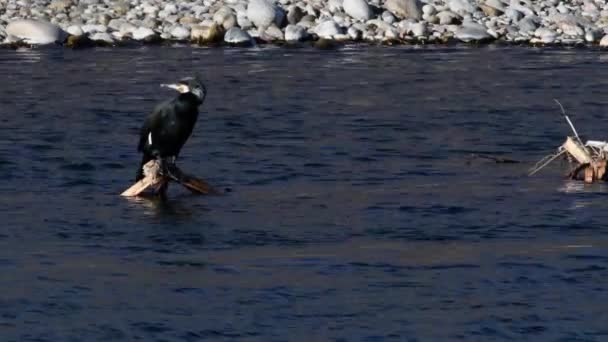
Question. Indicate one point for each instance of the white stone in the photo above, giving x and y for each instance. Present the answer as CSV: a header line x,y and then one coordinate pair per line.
x,y
572,30
418,29
591,36
391,34
527,25
237,36
274,33
447,17
497,4
525,9
429,9
388,17
358,9
472,32
327,29
461,6
75,30
334,5
261,13
35,31
547,36
294,33
224,15
604,41
142,33
180,33
354,33
404,8
170,8
102,37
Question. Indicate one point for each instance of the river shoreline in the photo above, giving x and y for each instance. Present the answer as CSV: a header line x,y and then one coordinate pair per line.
x,y
318,22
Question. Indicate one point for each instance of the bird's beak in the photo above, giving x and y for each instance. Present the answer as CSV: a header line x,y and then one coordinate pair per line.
x,y
182,88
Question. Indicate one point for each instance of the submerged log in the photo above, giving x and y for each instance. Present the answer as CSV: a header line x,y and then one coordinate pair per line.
x,y
158,177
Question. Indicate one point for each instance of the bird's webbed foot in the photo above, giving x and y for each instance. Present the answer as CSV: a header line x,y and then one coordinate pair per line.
x,y
168,167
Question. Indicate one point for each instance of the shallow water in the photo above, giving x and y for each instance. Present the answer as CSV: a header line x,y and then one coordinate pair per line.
x,y
353,210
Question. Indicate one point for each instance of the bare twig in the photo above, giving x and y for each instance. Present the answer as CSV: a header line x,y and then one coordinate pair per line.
x,y
569,122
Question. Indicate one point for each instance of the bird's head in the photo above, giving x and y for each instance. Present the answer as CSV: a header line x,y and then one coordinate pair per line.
x,y
189,85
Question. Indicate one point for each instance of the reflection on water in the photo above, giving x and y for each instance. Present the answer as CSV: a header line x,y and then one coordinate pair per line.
x,y
356,211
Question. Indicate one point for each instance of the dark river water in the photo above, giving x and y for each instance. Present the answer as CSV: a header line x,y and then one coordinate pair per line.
x,y
352,208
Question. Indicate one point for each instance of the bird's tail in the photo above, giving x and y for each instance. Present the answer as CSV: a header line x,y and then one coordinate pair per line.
x,y
140,170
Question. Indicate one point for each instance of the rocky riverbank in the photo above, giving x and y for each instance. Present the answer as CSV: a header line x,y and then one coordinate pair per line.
x,y
245,22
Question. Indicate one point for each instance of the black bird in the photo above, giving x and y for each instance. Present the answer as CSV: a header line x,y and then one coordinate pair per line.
x,y
166,130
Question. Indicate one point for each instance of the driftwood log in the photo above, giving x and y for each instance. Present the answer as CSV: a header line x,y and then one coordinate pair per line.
x,y
589,160
157,177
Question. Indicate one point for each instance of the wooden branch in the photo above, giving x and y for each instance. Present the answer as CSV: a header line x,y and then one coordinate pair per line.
x,y
155,179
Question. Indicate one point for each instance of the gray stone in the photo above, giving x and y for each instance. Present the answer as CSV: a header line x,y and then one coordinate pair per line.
x,y
35,31
405,8
261,13
522,6
527,25
358,9
294,33
237,36
514,14
280,17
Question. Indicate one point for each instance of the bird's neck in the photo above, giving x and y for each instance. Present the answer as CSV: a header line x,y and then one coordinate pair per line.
x,y
190,99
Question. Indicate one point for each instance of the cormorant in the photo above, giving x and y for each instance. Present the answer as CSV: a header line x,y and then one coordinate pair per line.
x,y
169,126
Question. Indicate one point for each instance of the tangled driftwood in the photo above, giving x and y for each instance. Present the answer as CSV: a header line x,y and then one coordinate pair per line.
x,y
588,160
157,176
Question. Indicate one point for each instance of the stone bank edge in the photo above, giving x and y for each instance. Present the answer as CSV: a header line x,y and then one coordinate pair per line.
x,y
78,23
